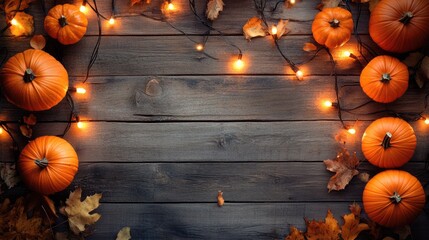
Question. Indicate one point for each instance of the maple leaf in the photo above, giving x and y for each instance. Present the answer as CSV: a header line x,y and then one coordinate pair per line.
x,y
254,28
220,200
124,234
37,42
327,230
281,28
309,47
344,167
8,175
24,26
328,4
78,212
352,226
295,234
213,8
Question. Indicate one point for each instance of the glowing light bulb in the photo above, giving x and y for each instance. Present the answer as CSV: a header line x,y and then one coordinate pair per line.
x,y
111,21
80,125
239,64
14,22
1,130
199,47
80,90
347,54
274,30
170,6
427,121
299,74
292,1
83,8
351,131
327,103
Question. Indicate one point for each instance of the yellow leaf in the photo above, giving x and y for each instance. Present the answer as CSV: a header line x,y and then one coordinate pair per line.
x,y
327,230
281,28
78,212
345,168
124,234
220,200
24,26
38,42
254,28
213,8
295,234
308,47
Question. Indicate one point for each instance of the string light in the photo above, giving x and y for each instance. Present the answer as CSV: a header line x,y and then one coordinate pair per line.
x,y
1,130
426,121
274,30
299,74
112,20
292,1
351,131
13,22
328,103
349,54
79,124
199,47
80,90
83,7
170,6
239,64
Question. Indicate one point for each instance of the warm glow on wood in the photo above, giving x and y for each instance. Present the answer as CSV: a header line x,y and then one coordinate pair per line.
x,y
80,90
14,22
111,21
351,131
299,75
83,9
199,47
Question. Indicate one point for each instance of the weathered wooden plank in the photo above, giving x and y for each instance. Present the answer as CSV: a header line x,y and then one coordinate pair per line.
x,y
209,142
207,221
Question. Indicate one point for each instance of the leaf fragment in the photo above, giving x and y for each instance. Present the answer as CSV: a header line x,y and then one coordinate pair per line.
x,y
31,119
26,130
309,47
281,28
124,234
345,168
254,28
214,7
295,234
364,177
328,4
220,200
8,175
352,226
11,7
404,232
328,229
24,26
372,4
38,42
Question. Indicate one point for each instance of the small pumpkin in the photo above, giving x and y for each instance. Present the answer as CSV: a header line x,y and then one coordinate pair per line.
x,y
389,142
393,198
332,27
384,79
400,25
48,164
34,80
66,23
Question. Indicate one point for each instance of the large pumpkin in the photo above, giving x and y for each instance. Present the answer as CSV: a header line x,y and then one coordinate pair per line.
x,y
48,164
393,198
400,25
34,80
332,27
66,24
384,79
389,142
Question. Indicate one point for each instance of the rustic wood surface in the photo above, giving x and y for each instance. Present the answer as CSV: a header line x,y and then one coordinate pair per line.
x,y
167,127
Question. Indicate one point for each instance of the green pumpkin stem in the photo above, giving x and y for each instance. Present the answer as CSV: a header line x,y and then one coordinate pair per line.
x,y
335,23
41,163
386,140
406,18
28,75
396,198
385,78
62,20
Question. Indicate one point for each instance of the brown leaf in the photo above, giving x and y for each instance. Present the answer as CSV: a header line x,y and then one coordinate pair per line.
x,y
30,119
26,130
328,4
352,226
295,234
424,68
341,136
36,201
403,232
281,28
254,28
134,2
8,174
10,7
360,1
24,26
220,200
327,230
364,177
38,42
124,234
309,47
78,212
213,8
372,4
413,59
344,167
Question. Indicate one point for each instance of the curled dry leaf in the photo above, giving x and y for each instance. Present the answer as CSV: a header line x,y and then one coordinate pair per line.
x,y
213,9
78,212
328,229
295,234
309,47
345,168
364,177
124,234
38,42
30,119
220,200
328,4
281,28
26,130
352,226
8,175
254,28
25,25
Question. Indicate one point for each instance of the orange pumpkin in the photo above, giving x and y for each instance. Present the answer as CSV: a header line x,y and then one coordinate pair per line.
x,y
389,142
66,24
34,80
400,25
384,79
332,27
48,164
393,198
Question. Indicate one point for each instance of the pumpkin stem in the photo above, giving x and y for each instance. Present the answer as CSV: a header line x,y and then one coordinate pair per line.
x,y
62,20
386,140
28,75
41,163
385,78
396,198
335,23
406,18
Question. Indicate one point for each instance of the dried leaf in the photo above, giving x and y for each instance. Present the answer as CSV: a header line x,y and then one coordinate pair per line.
x,y
372,4
134,2
295,234
403,232
281,28
30,119
341,136
10,7
254,28
360,1
375,230
352,226
220,200
213,8
328,4
424,69
78,212
38,42
344,167
25,25
8,175
364,177
124,234
412,59
355,209
39,202
328,230
26,130
309,47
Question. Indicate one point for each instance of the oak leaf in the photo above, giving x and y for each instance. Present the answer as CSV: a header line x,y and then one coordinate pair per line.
x,y
328,4
124,234
38,42
254,28
309,47
352,226
220,200
25,25
8,175
345,168
78,212
295,234
327,230
281,28
213,8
